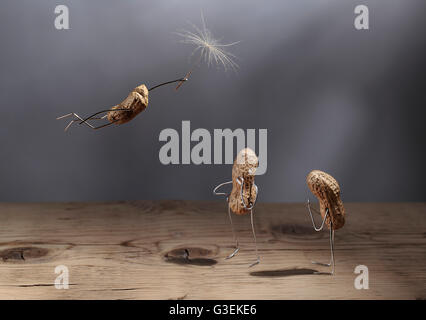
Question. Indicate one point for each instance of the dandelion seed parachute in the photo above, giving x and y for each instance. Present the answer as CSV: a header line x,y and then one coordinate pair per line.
x,y
210,49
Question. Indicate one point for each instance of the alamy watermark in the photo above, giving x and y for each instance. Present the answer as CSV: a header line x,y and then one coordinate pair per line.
x,y
209,147
361,281
62,280
62,20
361,21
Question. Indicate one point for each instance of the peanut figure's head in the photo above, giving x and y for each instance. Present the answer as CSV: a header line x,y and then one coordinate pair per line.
x,y
244,191
327,190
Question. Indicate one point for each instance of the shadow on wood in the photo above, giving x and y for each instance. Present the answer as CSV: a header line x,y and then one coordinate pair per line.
x,y
283,272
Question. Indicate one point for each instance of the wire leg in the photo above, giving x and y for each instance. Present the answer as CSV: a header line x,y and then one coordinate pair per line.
x,y
80,120
237,247
106,125
74,120
255,241
332,261
103,111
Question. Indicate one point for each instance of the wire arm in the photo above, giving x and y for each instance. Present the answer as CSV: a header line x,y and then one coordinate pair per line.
x,y
312,218
242,195
181,80
218,187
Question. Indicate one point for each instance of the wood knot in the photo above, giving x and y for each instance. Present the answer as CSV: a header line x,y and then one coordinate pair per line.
x,y
22,254
191,255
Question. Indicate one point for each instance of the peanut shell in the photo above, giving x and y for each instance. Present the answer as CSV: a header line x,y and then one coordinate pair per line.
x,y
327,190
135,103
245,165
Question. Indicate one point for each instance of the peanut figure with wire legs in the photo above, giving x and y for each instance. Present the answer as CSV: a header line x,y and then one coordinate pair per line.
x,y
327,190
244,193
135,103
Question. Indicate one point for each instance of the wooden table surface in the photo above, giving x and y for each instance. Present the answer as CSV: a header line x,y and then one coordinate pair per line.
x,y
176,250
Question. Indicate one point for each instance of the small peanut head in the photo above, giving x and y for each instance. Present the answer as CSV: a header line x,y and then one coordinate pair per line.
x,y
327,190
243,187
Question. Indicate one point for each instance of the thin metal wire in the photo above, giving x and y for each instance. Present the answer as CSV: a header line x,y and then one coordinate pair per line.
x,y
312,218
242,196
255,241
219,186
85,121
332,248
237,246
332,260
251,218
181,80
75,120
106,125
95,114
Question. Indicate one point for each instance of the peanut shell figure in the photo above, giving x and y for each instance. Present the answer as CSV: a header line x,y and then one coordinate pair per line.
x,y
327,191
244,193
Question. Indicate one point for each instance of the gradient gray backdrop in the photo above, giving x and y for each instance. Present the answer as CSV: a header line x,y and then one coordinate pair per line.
x,y
333,98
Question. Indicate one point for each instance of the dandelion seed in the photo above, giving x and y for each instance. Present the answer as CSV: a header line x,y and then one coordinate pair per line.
x,y
211,50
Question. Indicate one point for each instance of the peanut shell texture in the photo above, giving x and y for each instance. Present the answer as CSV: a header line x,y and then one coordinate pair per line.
x,y
327,191
135,103
243,172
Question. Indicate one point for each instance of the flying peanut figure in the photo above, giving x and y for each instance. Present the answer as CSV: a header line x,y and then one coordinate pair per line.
x,y
327,190
211,51
129,108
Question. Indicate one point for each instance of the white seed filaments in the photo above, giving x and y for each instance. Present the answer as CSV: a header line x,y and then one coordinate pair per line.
x,y
210,49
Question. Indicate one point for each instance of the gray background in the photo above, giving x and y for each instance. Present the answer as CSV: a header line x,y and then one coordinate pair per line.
x,y
332,98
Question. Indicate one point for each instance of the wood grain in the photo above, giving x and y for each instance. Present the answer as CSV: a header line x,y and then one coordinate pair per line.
x,y
176,250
